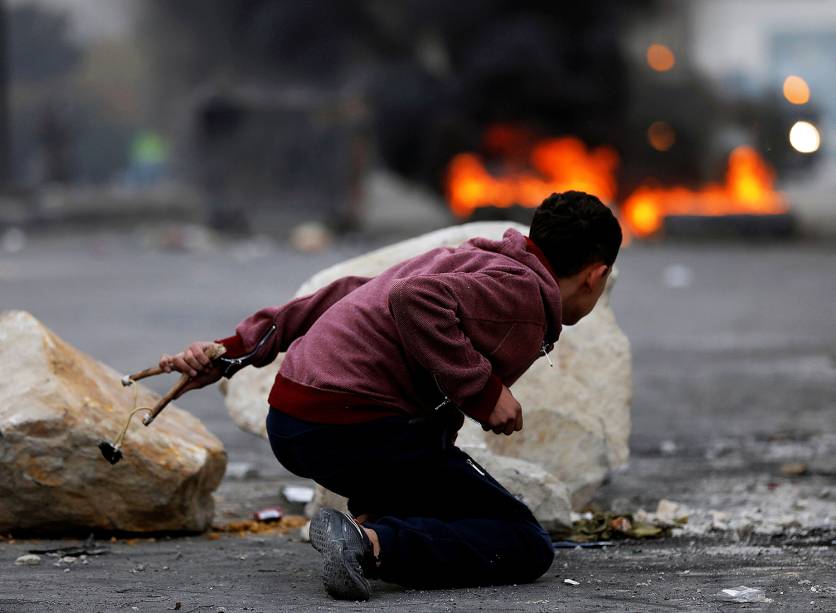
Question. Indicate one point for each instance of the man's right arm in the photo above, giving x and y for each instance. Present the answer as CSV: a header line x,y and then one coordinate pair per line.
x,y
266,333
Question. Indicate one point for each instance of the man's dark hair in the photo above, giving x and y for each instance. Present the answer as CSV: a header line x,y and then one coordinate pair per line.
x,y
575,229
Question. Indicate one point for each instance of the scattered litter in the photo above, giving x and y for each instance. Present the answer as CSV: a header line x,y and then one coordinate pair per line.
x,y
621,524
177,606
677,276
604,526
239,471
742,593
28,560
582,545
571,582
250,526
270,514
305,533
298,493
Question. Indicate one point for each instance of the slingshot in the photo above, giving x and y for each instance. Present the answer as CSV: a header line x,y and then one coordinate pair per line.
x,y
112,452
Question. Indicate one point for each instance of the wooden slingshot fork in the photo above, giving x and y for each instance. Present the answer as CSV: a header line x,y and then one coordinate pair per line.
x,y
112,452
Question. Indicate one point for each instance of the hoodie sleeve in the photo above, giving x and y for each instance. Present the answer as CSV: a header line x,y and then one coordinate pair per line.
x,y
428,311
271,331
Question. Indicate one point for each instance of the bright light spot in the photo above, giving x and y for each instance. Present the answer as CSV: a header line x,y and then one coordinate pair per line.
x,y
804,137
796,90
661,136
660,58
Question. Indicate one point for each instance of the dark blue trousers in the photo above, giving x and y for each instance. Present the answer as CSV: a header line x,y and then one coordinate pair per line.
x,y
441,519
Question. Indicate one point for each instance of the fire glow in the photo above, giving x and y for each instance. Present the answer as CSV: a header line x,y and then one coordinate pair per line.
x,y
748,190
561,164
556,165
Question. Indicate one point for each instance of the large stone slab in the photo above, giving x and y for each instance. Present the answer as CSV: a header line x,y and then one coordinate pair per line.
x,y
56,405
577,413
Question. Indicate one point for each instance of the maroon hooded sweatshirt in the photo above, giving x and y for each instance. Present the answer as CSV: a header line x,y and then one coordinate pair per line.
x,y
451,324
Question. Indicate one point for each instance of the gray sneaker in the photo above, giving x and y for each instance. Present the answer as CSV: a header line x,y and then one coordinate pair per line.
x,y
347,558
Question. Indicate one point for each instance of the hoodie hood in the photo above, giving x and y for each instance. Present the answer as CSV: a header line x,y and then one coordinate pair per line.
x,y
521,249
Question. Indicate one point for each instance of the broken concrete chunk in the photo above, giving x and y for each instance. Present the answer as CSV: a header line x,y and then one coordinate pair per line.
x,y
577,414
28,560
56,405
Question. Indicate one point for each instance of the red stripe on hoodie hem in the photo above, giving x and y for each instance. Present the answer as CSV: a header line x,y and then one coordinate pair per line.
x,y
324,406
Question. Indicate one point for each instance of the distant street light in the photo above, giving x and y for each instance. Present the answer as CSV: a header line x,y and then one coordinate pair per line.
x,y
804,137
660,57
796,90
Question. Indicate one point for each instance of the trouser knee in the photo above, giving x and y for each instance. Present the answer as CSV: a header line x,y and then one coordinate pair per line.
x,y
539,554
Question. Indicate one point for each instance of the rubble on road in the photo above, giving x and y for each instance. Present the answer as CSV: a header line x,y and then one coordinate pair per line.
x,y
284,525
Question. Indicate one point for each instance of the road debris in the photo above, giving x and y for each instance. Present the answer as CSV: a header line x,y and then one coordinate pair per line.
x,y
794,469
240,471
285,525
28,560
571,582
606,526
88,548
584,545
298,493
271,514
741,593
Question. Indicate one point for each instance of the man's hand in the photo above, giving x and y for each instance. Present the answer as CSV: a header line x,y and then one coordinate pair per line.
x,y
194,362
506,417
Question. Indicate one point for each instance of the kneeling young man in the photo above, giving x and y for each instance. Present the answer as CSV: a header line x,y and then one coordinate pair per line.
x,y
379,375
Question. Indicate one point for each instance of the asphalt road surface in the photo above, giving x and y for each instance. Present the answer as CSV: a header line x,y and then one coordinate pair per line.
x,y
734,367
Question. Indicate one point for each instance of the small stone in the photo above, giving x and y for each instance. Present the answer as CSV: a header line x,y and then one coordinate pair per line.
x,y
794,469
668,447
240,471
28,560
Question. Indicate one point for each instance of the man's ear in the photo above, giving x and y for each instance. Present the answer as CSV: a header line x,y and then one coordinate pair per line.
x,y
596,273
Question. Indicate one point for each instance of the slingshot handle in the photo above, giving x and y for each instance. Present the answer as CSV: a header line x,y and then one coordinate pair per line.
x,y
169,396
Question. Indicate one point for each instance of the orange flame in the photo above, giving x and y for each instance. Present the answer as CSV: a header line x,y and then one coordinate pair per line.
x,y
748,190
557,165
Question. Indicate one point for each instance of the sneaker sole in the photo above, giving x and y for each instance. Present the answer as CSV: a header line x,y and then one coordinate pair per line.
x,y
341,579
